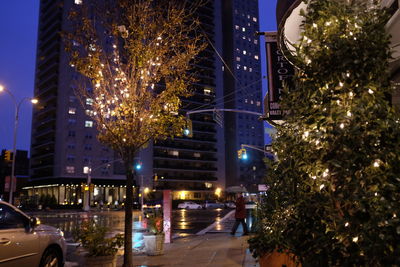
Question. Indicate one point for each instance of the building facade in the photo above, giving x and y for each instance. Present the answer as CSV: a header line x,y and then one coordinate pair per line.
x,y
64,148
243,91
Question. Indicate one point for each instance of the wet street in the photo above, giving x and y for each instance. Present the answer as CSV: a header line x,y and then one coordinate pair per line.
x,y
185,222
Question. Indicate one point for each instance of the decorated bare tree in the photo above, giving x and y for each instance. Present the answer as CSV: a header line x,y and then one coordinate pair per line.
x,y
136,59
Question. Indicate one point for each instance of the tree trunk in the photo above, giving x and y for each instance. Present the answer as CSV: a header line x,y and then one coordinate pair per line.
x,y
128,214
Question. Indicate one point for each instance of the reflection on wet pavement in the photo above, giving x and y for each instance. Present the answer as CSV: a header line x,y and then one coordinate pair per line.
x,y
185,222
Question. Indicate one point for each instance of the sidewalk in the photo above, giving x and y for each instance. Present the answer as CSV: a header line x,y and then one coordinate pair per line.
x,y
213,246
219,250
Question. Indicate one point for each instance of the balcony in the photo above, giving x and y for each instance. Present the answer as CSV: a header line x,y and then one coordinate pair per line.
x,y
183,168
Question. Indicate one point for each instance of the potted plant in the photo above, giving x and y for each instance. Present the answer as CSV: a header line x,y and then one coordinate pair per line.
x,y
154,239
101,249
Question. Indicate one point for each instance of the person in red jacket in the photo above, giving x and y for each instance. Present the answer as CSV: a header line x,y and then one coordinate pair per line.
x,y
240,215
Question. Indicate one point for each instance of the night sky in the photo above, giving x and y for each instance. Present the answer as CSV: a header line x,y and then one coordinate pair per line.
x,y
18,31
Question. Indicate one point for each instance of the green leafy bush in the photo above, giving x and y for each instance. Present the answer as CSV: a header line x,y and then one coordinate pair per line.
x,y
94,240
335,189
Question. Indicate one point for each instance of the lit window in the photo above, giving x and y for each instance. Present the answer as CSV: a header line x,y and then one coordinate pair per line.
x,y
197,155
237,27
256,57
208,185
238,59
174,153
89,101
89,112
88,124
255,41
72,99
70,169
207,91
244,52
258,103
250,69
243,29
251,102
238,66
245,101
248,16
244,37
78,2
71,110
254,19
245,67
71,121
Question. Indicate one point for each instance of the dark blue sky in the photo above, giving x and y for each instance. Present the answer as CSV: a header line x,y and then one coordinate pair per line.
x,y
18,31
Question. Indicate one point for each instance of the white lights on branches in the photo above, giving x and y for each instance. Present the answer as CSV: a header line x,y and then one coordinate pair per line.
x,y
376,163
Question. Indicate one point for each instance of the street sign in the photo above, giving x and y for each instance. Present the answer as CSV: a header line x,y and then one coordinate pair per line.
x,y
7,184
280,71
218,117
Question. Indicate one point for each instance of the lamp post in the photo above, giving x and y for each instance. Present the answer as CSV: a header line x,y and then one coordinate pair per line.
x,y
16,118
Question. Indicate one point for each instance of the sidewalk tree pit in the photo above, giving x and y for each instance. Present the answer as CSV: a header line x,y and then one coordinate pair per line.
x,y
135,59
335,190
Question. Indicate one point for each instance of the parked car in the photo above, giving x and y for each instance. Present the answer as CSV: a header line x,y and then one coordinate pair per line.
x,y
250,205
214,205
189,205
26,242
230,205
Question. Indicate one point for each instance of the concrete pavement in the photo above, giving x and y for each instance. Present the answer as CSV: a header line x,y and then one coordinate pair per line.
x,y
213,246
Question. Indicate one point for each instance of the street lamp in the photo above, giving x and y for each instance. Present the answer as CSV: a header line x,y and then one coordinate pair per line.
x,y
16,117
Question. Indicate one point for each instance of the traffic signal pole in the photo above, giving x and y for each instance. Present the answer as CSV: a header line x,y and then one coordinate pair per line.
x,y
261,116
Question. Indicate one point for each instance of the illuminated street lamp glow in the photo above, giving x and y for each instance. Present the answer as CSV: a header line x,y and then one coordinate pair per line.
x,y
218,191
244,156
186,132
16,119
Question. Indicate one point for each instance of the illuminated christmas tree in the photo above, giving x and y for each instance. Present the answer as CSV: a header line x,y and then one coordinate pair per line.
x,y
335,189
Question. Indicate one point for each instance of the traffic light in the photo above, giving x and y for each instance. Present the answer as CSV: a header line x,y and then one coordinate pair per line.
x,y
138,166
188,131
242,154
7,155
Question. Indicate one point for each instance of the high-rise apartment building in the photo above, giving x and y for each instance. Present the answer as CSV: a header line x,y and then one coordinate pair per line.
x,y
243,91
64,146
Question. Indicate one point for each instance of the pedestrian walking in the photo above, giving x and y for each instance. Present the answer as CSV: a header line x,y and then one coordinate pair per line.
x,y
240,215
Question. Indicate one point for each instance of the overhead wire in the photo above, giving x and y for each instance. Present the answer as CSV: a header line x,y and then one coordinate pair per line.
x,y
215,101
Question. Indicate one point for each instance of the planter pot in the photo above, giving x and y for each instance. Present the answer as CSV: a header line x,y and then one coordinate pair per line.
x,y
154,244
278,259
101,261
